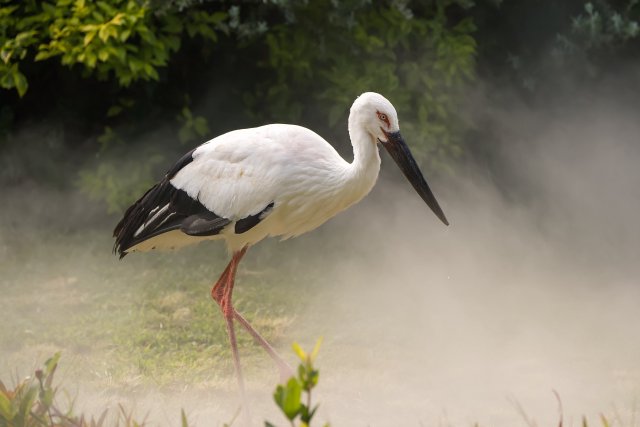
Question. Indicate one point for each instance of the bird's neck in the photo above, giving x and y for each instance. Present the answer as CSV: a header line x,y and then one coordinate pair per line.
x,y
363,171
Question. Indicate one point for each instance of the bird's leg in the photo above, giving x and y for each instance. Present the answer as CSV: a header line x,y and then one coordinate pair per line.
x,y
285,370
219,289
222,293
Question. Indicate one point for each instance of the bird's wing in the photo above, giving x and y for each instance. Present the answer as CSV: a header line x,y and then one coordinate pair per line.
x,y
164,208
239,174
230,176
231,180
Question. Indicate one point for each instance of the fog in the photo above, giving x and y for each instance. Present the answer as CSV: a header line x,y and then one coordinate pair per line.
x,y
522,295
531,293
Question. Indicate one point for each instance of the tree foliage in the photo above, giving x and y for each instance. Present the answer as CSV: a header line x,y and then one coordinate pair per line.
x,y
105,72
117,39
549,50
328,53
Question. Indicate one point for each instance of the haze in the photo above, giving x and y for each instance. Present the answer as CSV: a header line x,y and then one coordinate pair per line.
x,y
532,290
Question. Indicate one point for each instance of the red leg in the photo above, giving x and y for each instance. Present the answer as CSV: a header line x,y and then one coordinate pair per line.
x,y
218,290
222,294
285,370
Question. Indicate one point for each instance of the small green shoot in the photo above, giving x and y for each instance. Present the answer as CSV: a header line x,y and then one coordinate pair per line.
x,y
289,396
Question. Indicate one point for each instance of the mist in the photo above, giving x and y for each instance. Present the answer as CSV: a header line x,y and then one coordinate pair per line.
x,y
530,294
531,291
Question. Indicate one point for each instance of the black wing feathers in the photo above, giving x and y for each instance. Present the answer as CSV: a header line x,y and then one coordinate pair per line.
x,y
203,225
182,162
165,208
245,224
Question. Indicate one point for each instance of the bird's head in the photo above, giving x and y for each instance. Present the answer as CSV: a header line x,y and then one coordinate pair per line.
x,y
376,115
379,118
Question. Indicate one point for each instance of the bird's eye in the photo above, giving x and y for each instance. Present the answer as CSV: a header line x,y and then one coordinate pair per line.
x,y
384,118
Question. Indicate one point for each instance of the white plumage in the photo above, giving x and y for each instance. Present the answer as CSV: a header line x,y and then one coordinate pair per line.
x,y
288,165
274,180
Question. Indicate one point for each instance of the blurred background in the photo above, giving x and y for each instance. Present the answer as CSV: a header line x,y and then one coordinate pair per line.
x,y
524,116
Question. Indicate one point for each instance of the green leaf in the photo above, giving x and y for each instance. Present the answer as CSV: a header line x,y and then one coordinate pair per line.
x,y
314,374
135,65
183,418
313,412
43,54
26,404
20,82
6,79
89,37
5,55
119,52
172,24
127,102
46,397
5,408
217,17
150,71
52,363
299,351
91,59
124,35
185,135
48,8
200,125
316,349
288,398
114,110
103,33
173,42
103,54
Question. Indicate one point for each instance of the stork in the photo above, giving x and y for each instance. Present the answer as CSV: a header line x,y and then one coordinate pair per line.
x,y
274,180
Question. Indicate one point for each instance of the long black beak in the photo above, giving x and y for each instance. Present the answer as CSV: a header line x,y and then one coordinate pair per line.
x,y
401,154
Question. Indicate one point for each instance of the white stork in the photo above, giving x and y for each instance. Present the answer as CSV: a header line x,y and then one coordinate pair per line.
x,y
274,180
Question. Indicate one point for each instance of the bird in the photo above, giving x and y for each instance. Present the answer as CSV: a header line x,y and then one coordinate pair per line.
x,y
277,180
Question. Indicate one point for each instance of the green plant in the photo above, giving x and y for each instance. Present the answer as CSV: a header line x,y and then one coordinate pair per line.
x,y
602,24
289,396
416,55
119,39
32,403
118,184
193,127
582,43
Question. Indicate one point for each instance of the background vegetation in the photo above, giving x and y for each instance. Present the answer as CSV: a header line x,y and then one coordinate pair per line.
x,y
83,78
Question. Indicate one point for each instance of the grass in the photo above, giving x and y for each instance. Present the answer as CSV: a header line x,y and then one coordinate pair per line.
x,y
148,322
148,317
141,324
35,402
179,332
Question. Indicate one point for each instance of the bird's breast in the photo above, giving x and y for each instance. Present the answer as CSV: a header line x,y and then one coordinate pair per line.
x,y
315,200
